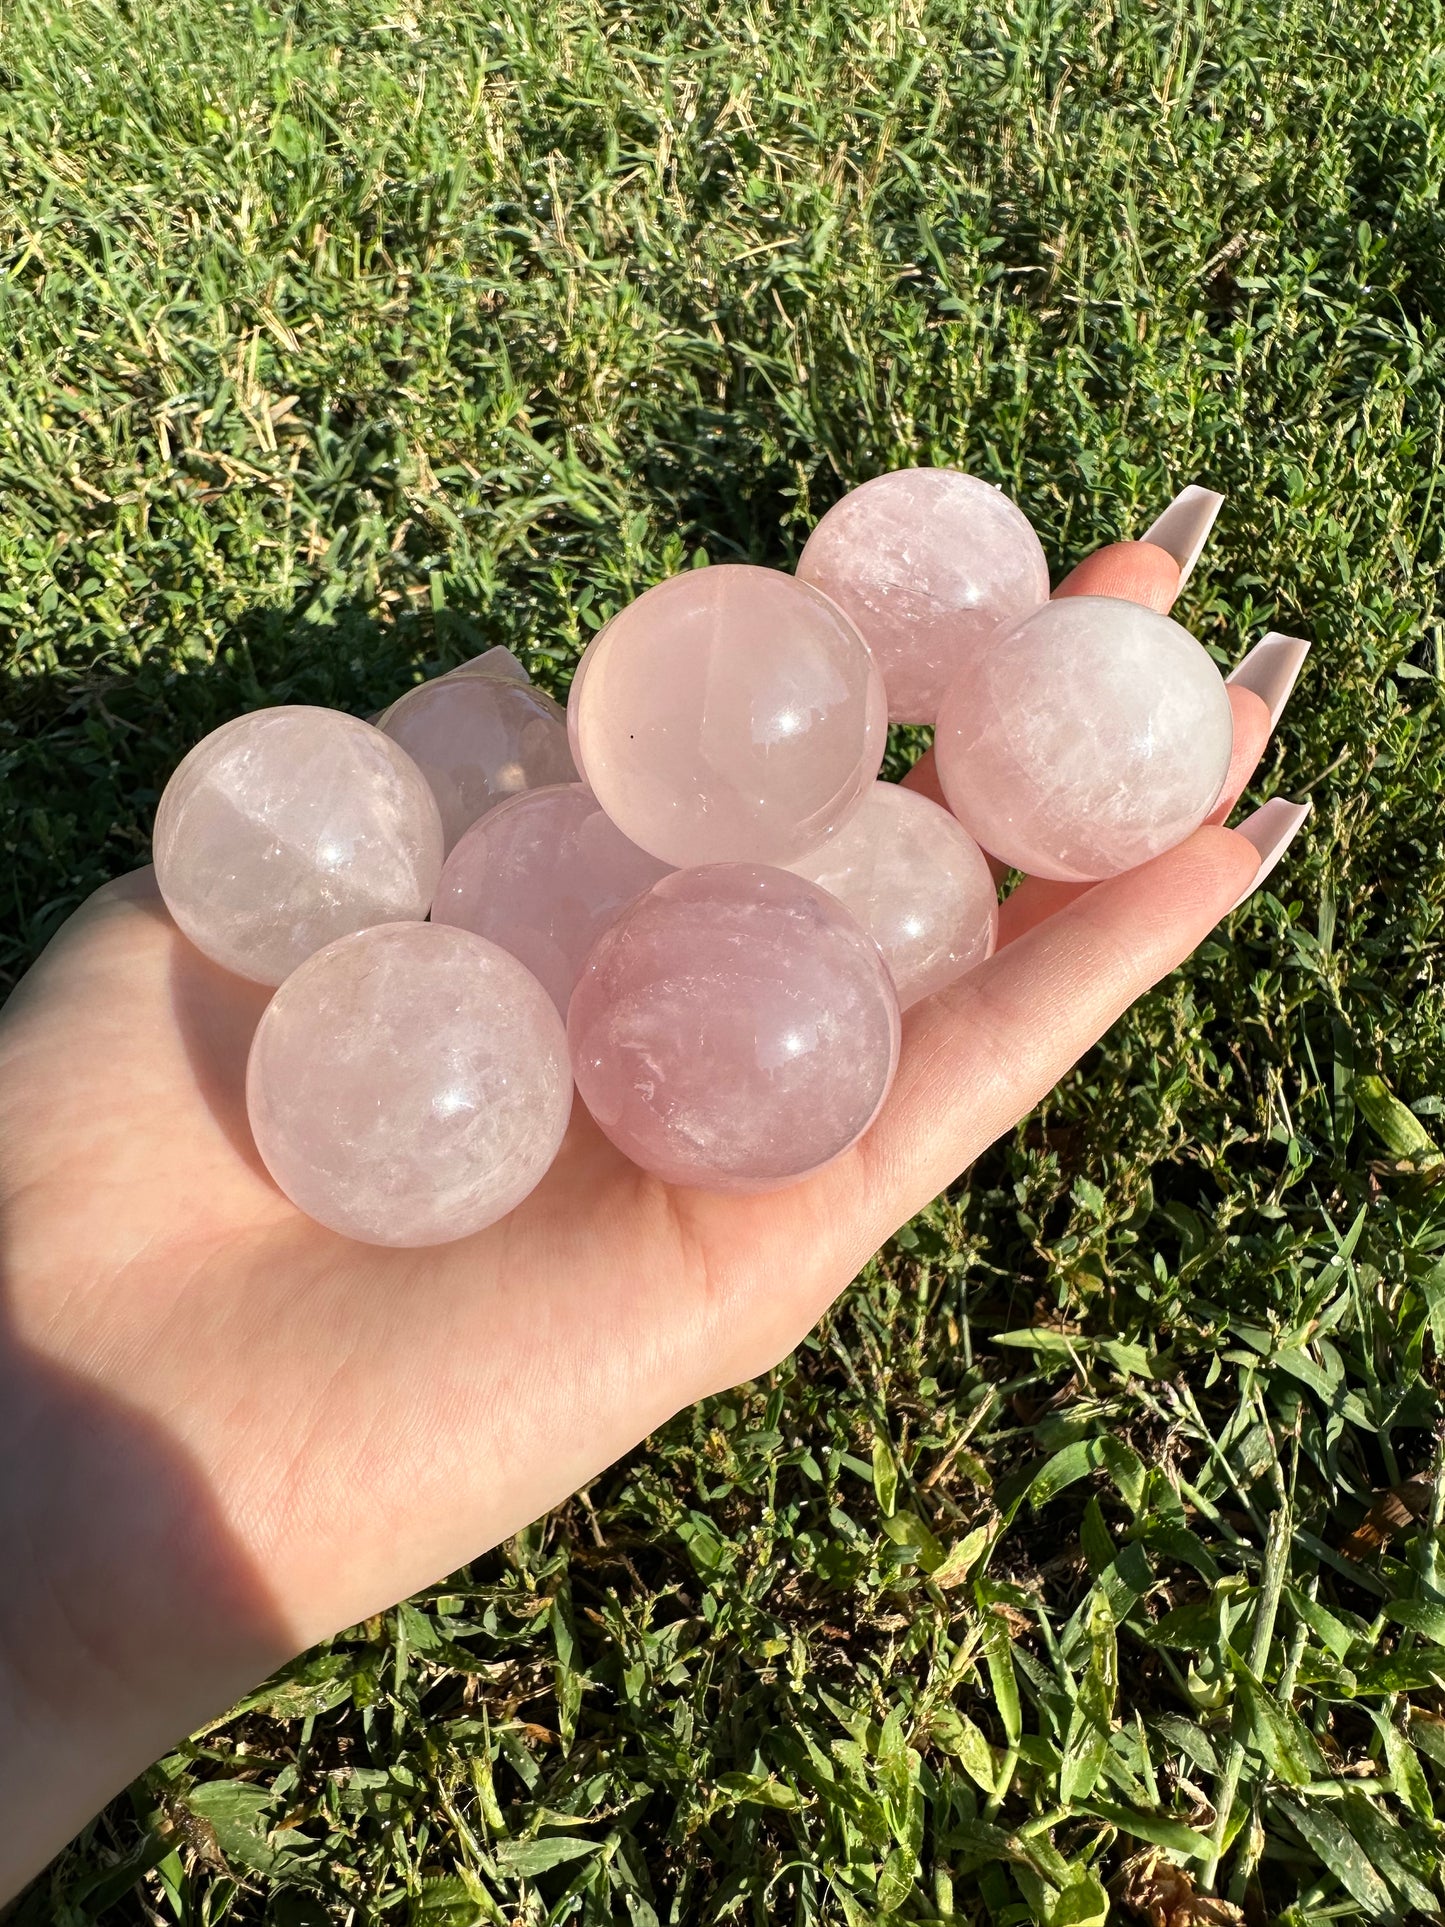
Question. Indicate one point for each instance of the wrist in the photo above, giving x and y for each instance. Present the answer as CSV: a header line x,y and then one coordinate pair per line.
x,y
126,1619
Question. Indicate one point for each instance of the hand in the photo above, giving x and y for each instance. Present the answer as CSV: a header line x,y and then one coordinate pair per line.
x,y
226,1432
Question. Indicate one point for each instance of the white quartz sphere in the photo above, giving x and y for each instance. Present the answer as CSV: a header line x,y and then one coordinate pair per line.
x,y
1093,736
928,562
409,1085
287,828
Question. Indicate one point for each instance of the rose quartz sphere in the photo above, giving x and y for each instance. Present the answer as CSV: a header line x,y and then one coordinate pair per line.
x,y
917,883
492,662
928,562
731,714
734,1029
480,735
409,1085
543,875
574,698
1088,739
290,827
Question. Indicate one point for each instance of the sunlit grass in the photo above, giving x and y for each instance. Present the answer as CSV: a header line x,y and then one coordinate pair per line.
x,y
341,340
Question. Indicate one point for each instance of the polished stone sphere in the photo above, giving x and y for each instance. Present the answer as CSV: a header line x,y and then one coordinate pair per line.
x,y
492,662
287,828
480,735
543,876
734,1030
917,883
731,714
409,1085
928,562
1093,736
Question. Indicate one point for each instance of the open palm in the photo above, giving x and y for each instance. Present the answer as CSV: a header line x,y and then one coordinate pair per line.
x,y
230,1432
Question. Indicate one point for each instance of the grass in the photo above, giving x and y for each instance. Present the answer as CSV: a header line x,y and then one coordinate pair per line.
x,y
1086,1561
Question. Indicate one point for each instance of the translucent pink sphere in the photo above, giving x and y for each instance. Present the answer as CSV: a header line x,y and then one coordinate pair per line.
x,y
734,1029
928,562
730,714
409,1085
1093,736
917,883
543,876
574,699
492,662
480,735
285,829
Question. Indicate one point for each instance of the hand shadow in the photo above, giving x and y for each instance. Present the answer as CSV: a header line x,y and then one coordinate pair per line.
x,y
128,1606
216,1015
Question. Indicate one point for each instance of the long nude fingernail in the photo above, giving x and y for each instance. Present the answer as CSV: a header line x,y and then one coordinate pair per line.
x,y
1271,670
1183,528
1271,829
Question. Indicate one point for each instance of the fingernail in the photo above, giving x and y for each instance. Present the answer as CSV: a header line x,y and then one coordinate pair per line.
x,y
1271,670
1183,528
1271,829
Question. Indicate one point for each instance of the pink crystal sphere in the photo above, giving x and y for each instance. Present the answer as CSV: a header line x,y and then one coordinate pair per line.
x,y
928,562
574,699
917,883
480,735
492,662
543,876
285,829
731,714
409,1085
734,1029
1093,736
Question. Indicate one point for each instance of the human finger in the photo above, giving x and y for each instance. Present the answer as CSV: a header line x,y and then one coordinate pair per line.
x,y
1127,571
979,1055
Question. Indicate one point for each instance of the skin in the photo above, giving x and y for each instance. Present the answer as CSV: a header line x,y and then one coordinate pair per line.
x,y
226,1433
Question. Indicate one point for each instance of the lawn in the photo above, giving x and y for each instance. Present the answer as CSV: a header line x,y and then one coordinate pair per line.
x,y
1086,1561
